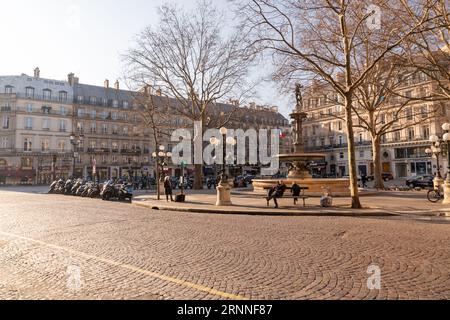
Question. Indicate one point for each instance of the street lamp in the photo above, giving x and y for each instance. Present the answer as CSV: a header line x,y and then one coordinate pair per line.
x,y
223,189
75,141
436,149
160,157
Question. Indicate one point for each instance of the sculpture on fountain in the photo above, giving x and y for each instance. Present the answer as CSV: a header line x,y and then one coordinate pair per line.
x,y
299,162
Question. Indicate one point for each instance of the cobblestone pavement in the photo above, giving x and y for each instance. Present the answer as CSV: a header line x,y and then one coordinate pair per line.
x,y
56,247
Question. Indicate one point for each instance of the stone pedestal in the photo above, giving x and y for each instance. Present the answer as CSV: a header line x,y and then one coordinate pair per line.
x,y
437,182
223,195
446,193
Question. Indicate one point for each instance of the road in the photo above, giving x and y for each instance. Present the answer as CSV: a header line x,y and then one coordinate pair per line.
x,y
56,247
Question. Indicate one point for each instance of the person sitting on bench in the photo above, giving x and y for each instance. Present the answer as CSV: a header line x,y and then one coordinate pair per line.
x,y
278,193
295,192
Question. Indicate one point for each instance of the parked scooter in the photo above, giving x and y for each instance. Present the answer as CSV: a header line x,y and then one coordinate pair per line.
x,y
57,187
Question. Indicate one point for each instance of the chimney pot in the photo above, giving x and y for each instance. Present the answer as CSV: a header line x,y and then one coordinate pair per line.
x,y
106,83
37,73
116,85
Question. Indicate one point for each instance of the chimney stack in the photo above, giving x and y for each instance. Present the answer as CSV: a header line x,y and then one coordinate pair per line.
x,y
106,83
116,85
159,92
37,73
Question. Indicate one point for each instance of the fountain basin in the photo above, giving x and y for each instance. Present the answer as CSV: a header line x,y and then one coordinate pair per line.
x,y
338,187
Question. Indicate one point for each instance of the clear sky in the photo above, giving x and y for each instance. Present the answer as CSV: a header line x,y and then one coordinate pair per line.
x,y
82,36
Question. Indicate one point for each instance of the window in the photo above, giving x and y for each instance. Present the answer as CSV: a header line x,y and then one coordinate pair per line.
x,y
93,145
360,137
115,146
361,153
409,114
4,143
62,96
47,94
424,111
45,145
397,136
61,145
27,145
105,128
340,125
93,100
114,159
115,130
340,140
62,110
341,155
125,146
80,127
26,163
114,116
29,123
125,117
411,133
46,124
125,130
5,122
8,89
383,118
80,99
29,92
80,113
104,115
115,104
93,114
425,132
125,105
29,108
104,101
63,125
93,127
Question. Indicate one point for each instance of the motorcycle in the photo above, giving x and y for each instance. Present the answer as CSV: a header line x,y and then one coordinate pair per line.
x,y
68,187
125,192
56,187
211,182
94,191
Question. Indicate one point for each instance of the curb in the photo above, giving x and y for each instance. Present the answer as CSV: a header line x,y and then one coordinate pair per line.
x,y
269,213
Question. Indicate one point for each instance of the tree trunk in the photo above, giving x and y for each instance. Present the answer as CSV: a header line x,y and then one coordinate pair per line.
x,y
198,174
351,154
377,169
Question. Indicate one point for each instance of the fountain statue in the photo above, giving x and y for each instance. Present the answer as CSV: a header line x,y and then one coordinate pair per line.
x,y
299,162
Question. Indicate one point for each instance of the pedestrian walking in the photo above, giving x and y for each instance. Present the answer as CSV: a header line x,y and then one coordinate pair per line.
x,y
364,181
168,188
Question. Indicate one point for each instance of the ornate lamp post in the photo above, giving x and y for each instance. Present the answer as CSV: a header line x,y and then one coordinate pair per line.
x,y
75,141
437,149
223,189
161,158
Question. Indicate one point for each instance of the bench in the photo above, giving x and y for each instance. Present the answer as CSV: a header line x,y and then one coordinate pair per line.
x,y
302,195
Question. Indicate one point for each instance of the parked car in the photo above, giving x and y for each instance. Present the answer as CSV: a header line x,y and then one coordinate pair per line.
x,y
421,181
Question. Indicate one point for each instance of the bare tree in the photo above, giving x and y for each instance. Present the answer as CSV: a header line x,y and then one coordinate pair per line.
x,y
326,40
153,110
381,106
190,59
430,50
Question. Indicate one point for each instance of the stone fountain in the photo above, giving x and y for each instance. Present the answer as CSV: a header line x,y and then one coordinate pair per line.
x,y
299,162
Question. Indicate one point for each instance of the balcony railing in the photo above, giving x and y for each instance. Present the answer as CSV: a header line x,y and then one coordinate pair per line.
x,y
38,97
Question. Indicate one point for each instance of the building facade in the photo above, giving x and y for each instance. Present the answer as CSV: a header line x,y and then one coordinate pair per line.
x,y
36,119
56,128
402,151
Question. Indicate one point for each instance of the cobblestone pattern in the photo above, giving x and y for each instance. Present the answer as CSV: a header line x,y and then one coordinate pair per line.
x,y
250,256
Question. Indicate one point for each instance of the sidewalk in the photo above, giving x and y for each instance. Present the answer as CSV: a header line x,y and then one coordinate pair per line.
x,y
249,203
